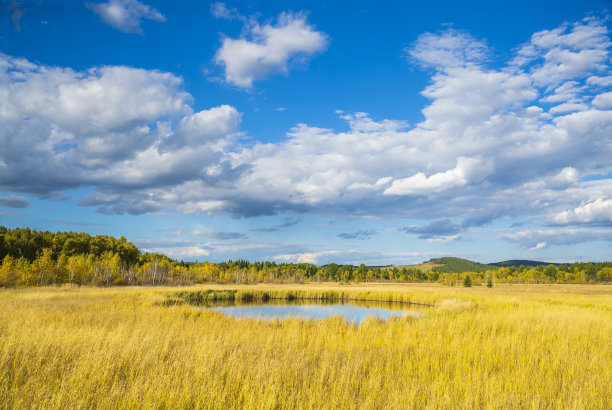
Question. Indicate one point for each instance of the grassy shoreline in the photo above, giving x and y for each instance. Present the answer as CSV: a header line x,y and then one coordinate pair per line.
x,y
198,297
516,346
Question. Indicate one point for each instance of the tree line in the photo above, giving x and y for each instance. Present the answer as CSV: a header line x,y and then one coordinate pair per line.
x,y
41,258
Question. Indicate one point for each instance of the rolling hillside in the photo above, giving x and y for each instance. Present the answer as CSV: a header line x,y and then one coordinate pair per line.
x,y
446,264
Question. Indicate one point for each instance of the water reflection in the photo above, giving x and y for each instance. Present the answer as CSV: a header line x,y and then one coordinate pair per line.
x,y
353,311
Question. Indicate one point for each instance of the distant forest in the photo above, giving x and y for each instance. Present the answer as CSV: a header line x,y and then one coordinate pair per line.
x,y
41,258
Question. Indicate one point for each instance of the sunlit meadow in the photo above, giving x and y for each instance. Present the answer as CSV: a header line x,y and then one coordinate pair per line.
x,y
518,346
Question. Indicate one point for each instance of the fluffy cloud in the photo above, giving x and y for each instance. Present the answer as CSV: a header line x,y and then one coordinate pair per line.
x,y
603,101
118,129
569,51
448,49
266,49
605,81
598,211
204,126
310,257
102,99
491,143
467,169
567,177
485,149
126,15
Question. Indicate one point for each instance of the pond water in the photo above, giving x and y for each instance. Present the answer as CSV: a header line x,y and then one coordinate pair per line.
x,y
353,311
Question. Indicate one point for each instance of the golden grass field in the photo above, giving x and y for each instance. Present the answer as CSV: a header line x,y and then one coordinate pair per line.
x,y
518,346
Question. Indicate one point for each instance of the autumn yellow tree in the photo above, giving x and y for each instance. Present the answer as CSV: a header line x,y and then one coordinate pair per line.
x,y
8,272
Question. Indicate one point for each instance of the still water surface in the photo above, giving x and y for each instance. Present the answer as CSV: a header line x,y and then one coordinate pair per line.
x,y
353,311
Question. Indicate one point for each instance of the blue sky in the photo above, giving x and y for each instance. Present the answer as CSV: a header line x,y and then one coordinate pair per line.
x,y
348,132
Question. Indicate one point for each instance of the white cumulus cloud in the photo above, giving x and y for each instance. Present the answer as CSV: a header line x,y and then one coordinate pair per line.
x,y
597,211
448,49
311,257
567,177
566,52
603,101
467,169
267,49
109,127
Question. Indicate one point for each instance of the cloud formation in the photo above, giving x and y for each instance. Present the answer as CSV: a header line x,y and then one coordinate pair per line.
x,y
14,201
447,50
536,239
311,257
598,211
126,15
220,11
119,129
440,228
266,49
569,51
493,143
467,169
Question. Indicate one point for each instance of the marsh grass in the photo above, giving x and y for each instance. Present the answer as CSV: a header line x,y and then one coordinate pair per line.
x,y
205,296
506,347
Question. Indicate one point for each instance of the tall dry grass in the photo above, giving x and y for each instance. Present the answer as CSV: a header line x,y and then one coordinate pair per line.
x,y
506,347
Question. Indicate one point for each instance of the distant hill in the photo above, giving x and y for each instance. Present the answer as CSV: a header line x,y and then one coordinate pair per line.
x,y
446,264
524,262
450,264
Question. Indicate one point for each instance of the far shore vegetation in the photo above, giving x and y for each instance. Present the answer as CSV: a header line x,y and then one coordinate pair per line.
x,y
39,258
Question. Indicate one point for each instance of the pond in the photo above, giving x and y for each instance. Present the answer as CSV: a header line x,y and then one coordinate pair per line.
x,y
353,311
